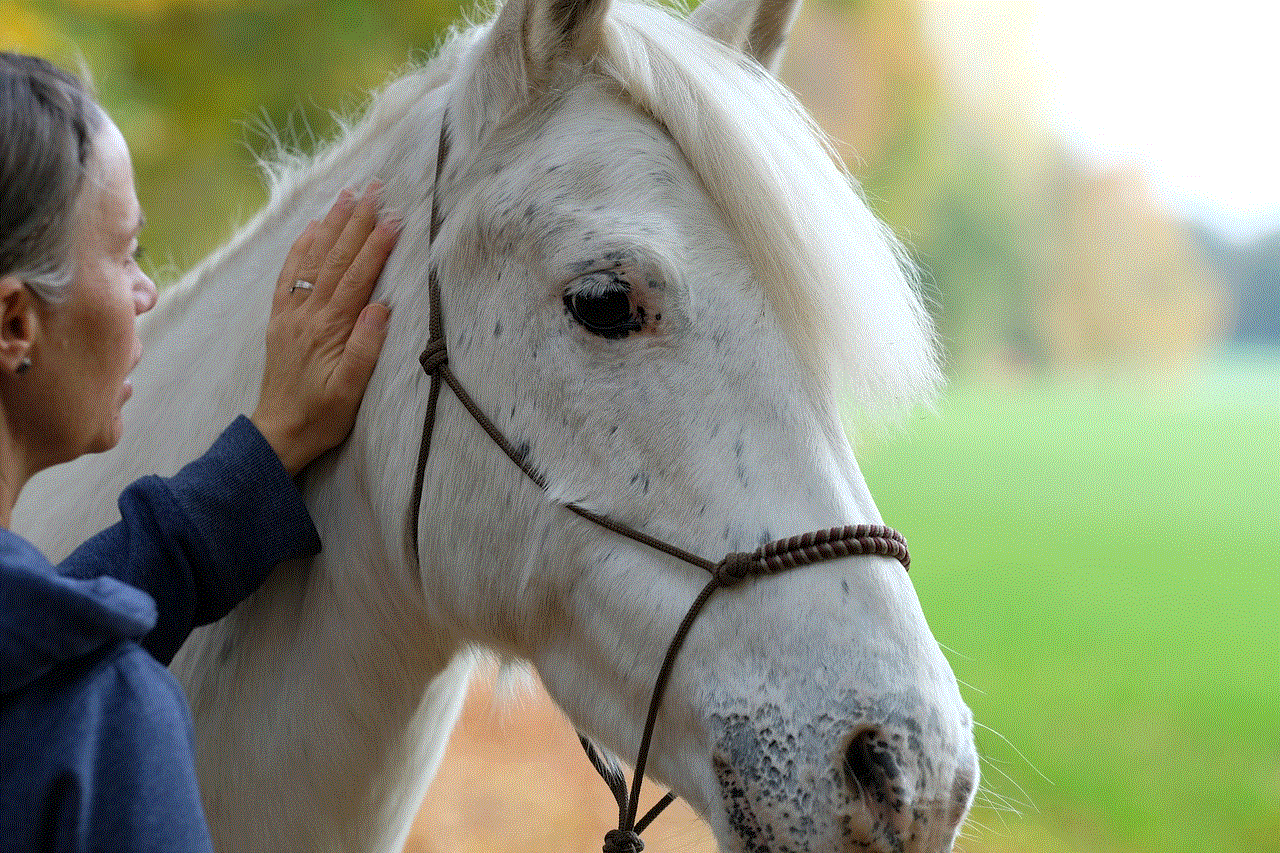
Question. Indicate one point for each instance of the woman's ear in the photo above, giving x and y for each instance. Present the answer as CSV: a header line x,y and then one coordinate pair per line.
x,y
19,324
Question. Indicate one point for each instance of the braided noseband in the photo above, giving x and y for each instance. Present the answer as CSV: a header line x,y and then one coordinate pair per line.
x,y
773,557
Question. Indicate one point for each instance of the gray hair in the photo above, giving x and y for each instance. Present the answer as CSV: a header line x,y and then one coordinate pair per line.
x,y
48,120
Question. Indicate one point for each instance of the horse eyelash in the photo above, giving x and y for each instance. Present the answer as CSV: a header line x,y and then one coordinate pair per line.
x,y
597,284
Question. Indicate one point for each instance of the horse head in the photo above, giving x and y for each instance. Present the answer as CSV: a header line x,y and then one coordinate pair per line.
x,y
653,279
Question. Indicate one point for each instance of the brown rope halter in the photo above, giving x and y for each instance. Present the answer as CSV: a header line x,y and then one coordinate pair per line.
x,y
776,556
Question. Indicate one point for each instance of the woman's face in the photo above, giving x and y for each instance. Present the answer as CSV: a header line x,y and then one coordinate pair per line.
x,y
90,345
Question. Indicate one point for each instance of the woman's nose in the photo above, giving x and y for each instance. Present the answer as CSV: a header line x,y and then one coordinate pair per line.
x,y
144,294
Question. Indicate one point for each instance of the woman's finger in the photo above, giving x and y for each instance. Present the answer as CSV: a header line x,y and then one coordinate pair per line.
x,y
356,285
291,270
327,233
360,355
359,225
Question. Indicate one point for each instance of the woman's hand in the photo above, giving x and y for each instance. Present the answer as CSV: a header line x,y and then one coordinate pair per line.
x,y
323,343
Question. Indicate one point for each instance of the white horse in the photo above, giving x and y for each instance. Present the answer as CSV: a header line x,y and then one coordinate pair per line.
x,y
606,165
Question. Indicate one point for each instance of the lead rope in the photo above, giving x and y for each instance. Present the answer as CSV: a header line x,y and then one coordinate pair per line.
x,y
770,558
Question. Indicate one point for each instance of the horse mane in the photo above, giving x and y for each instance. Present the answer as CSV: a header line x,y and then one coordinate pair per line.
x,y
840,284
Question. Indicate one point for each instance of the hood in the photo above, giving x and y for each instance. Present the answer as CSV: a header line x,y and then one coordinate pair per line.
x,y
46,619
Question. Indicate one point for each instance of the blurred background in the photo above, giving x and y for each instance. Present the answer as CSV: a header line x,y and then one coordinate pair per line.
x,y
1093,193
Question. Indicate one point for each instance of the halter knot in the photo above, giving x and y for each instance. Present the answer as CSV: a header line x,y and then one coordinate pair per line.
x,y
736,567
622,841
434,356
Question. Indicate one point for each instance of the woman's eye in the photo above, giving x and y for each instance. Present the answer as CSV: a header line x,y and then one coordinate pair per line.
x,y
606,312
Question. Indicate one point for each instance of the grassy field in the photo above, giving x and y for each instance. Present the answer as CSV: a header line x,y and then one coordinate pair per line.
x,y
1102,562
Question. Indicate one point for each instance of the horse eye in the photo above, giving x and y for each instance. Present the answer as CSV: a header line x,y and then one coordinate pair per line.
x,y
606,313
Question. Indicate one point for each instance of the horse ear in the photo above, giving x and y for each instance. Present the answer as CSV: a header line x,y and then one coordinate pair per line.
x,y
759,28
548,33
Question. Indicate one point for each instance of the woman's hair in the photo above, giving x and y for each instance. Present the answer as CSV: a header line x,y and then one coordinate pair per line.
x,y
48,120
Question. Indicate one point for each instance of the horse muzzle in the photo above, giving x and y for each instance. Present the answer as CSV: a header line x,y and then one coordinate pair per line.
x,y
858,777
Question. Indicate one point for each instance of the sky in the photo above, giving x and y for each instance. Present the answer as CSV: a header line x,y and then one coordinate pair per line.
x,y
1188,93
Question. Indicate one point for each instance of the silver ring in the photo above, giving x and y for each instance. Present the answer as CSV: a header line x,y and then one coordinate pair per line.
x,y
301,284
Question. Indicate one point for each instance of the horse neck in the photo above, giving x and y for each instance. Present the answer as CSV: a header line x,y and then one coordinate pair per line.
x,y
331,681
309,689
345,644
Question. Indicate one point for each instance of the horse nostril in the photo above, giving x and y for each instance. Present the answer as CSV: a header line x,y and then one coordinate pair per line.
x,y
870,764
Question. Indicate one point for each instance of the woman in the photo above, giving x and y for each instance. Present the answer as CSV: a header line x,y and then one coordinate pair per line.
x,y
95,735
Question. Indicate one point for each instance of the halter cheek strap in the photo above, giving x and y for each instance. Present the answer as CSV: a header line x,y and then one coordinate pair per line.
x,y
771,558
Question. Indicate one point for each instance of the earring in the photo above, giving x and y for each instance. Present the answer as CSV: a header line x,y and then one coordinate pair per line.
x,y
23,366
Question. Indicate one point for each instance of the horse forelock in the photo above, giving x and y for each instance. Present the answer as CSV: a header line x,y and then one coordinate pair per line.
x,y
839,283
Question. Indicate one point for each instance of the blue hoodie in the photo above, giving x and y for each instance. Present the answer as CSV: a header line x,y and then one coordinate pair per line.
x,y
95,734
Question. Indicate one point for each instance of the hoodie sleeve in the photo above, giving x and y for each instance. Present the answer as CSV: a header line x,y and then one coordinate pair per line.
x,y
202,540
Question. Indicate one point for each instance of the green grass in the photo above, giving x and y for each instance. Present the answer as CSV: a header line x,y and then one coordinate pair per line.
x,y
1103,566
